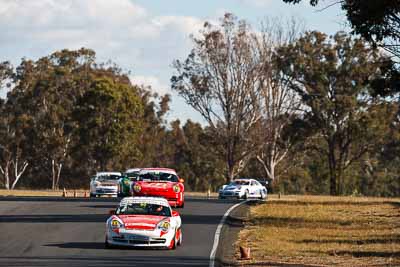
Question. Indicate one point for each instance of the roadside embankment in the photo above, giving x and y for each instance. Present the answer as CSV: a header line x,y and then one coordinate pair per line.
x,y
321,231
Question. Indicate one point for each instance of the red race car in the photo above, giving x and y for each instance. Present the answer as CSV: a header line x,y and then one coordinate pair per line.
x,y
160,182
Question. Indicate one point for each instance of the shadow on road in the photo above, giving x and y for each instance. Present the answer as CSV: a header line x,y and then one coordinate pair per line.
x,y
105,261
98,245
58,199
89,218
111,206
54,218
79,245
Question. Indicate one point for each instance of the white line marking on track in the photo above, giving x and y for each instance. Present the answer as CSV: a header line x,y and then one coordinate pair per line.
x,y
218,233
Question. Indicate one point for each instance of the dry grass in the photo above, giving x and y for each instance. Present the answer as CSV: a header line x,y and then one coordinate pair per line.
x,y
328,231
42,193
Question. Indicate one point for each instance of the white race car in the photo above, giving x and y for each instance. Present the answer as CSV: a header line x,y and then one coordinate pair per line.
x,y
104,183
243,188
144,222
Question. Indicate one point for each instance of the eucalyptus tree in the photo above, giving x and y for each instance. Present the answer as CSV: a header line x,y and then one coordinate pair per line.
x,y
108,117
51,86
221,79
279,104
332,76
14,123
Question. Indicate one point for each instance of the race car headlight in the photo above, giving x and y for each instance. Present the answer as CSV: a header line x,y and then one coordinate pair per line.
x,y
137,188
176,188
116,224
164,226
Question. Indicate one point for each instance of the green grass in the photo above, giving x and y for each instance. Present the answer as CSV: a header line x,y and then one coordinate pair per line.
x,y
341,231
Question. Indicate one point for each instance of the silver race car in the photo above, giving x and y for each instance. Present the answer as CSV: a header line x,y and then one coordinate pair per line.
x,y
243,189
104,183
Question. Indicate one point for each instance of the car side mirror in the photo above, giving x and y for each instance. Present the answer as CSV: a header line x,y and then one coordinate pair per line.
x,y
181,180
112,212
175,213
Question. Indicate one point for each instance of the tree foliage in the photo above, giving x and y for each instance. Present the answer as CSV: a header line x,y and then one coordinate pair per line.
x,y
331,76
221,79
110,113
376,21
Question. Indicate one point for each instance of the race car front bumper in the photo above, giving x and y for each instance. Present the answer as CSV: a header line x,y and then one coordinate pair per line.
x,y
140,238
230,194
105,190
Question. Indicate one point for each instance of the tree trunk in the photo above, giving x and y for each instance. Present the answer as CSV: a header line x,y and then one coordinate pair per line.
x,y
18,172
6,173
332,170
53,175
230,172
339,177
268,168
56,172
59,167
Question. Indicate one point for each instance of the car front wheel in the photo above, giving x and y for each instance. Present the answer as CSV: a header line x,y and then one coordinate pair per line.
x,y
107,245
172,245
180,238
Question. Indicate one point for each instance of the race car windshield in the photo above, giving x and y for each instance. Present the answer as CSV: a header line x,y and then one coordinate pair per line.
x,y
144,209
134,176
158,176
235,183
108,177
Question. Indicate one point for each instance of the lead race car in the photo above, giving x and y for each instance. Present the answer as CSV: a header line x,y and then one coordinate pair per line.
x,y
160,182
144,222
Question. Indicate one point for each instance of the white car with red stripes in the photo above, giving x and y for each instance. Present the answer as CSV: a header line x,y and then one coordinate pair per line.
x,y
144,222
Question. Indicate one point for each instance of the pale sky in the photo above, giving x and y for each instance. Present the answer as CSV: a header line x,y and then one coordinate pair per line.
x,y
142,36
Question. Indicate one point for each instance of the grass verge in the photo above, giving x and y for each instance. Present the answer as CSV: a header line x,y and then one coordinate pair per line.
x,y
323,231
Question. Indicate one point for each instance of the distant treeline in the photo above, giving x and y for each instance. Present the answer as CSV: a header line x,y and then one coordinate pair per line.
x,y
66,117
299,111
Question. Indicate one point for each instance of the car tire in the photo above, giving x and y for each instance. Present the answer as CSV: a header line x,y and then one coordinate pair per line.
x,y
107,245
246,195
262,195
172,245
179,243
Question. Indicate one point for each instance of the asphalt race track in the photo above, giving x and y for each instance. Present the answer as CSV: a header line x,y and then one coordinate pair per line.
x,y
70,232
